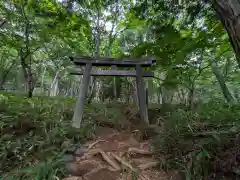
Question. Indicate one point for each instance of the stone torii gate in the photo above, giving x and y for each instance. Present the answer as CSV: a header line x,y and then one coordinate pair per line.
x,y
89,62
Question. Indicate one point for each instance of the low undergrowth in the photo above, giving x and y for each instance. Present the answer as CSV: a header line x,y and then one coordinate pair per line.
x,y
203,144
35,133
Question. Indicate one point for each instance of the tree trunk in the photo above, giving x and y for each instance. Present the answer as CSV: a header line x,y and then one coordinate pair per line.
x,y
236,95
108,50
54,86
229,13
28,76
71,88
2,22
159,95
191,96
221,81
92,91
26,58
5,75
70,5
42,81
181,96
30,84
147,93
97,54
167,95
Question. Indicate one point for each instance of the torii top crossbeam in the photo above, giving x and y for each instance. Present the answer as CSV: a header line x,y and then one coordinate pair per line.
x,y
106,61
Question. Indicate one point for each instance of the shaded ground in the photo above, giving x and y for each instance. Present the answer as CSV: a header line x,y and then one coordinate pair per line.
x,y
36,141
123,154
115,155
36,133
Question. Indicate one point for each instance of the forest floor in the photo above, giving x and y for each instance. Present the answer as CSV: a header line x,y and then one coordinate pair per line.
x,y
38,142
116,155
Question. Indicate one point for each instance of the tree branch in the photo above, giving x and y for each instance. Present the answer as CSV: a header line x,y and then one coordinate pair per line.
x,y
213,61
2,23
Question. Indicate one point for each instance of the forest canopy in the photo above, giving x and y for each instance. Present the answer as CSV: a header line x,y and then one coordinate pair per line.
x,y
195,89
195,49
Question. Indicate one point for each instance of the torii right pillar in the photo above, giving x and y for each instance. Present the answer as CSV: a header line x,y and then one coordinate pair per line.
x,y
141,95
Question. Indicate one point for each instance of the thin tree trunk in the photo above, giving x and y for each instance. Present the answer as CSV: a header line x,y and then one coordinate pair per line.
x,y
180,96
30,84
2,22
159,95
5,74
42,82
28,76
92,93
236,95
191,96
147,93
26,58
221,81
114,87
70,6
97,54
108,50
229,14
71,89
55,89
166,96
54,86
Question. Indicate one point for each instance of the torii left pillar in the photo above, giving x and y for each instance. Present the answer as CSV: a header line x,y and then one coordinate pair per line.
x,y
78,113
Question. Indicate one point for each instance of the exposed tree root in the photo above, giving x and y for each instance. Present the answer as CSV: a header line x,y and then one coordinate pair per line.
x,y
109,161
143,144
93,144
144,177
148,165
139,151
117,155
132,114
132,151
90,154
105,157
160,121
135,131
120,160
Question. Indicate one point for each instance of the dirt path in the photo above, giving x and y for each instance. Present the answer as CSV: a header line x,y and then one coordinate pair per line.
x,y
115,155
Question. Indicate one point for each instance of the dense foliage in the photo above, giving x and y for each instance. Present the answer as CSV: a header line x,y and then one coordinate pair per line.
x,y
36,134
203,144
195,43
